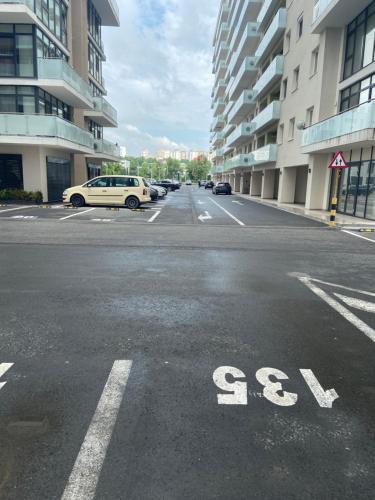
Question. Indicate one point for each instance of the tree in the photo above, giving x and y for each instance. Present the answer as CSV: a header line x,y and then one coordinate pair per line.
x,y
112,169
199,169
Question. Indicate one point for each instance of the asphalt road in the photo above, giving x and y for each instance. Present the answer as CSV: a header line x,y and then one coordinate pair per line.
x,y
199,307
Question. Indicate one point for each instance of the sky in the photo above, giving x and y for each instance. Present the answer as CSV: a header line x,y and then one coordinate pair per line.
x,y
159,74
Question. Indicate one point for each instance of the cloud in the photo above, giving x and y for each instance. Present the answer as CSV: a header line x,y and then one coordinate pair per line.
x,y
158,73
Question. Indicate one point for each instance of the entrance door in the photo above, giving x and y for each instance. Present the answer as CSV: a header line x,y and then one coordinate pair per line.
x,y
351,199
11,172
58,177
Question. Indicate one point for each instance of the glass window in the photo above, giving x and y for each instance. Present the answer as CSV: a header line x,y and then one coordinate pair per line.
x,y
370,207
362,189
358,93
120,182
25,55
11,175
102,182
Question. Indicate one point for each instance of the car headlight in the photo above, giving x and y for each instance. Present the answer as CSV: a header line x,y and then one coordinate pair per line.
x,y
65,193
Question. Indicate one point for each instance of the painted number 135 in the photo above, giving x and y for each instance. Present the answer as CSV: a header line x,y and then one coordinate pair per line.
x,y
231,380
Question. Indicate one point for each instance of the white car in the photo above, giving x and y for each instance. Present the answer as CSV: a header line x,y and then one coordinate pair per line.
x,y
162,192
189,183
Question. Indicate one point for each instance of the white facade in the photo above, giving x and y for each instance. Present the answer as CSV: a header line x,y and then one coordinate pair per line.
x,y
282,69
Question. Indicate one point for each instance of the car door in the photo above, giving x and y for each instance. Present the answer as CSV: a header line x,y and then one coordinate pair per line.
x,y
120,190
98,191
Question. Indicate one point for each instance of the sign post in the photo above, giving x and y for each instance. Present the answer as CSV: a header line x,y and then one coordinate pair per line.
x,y
338,163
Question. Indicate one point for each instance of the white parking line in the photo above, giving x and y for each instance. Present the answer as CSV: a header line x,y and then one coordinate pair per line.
x,y
13,209
84,478
358,236
78,213
155,216
228,213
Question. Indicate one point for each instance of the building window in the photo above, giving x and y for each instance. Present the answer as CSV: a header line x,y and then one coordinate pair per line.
x,y
285,88
96,92
46,49
11,175
295,79
96,130
300,27
287,42
53,14
358,93
280,138
292,124
360,42
94,23
17,50
95,64
357,190
314,61
309,116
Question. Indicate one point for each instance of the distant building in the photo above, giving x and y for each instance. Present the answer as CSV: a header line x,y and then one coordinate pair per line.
x,y
180,154
123,151
145,154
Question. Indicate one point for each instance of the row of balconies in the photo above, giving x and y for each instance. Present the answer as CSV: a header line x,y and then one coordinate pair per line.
x,y
58,78
48,130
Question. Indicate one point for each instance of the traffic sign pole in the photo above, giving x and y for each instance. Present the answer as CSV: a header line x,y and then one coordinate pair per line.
x,y
332,220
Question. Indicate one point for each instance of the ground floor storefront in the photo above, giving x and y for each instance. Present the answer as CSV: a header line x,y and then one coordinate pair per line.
x,y
48,170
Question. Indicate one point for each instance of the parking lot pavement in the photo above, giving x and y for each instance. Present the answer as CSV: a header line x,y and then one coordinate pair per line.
x,y
209,331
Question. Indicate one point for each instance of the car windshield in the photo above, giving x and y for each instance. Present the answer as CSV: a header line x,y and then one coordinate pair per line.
x,y
146,183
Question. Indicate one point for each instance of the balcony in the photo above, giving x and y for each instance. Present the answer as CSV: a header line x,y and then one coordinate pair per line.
x,y
223,32
269,116
105,150
248,14
273,73
272,35
266,13
57,77
221,52
335,13
218,153
246,75
219,106
241,135
217,139
103,113
246,47
267,154
243,107
228,129
218,123
108,11
44,130
353,128
221,70
219,89
17,11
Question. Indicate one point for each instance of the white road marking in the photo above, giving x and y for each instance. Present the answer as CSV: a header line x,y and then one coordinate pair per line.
x,y
345,313
202,217
84,478
23,217
341,287
237,390
361,305
200,202
324,398
78,213
358,236
238,203
4,367
228,213
102,220
155,216
13,209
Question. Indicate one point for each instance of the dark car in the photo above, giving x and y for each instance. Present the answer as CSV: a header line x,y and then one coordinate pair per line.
x,y
209,185
154,194
167,184
222,188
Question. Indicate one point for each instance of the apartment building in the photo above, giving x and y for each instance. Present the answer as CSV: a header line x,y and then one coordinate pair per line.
x,y
52,105
294,84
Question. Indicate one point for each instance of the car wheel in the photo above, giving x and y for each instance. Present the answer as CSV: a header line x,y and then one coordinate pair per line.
x,y
132,203
77,201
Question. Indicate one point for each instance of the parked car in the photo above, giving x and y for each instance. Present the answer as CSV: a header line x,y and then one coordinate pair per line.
x,y
127,190
189,183
222,188
209,185
154,193
162,192
167,184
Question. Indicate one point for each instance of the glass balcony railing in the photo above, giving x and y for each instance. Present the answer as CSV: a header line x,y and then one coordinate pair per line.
x,y
243,81
107,148
28,3
218,123
58,69
218,153
46,126
275,31
101,105
267,154
267,117
241,134
319,8
349,122
270,76
217,138
242,107
219,106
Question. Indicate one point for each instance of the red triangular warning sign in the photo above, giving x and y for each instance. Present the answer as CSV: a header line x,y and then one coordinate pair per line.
x,y
338,161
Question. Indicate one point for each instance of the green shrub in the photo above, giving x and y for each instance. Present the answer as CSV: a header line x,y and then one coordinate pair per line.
x,y
20,195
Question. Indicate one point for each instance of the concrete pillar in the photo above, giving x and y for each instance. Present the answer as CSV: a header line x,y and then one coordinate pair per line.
x,y
318,183
256,184
287,187
237,182
245,183
268,184
231,180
